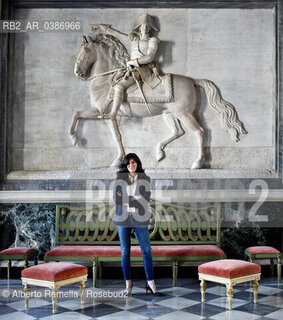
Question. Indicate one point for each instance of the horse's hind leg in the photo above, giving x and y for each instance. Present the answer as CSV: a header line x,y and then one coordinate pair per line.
x,y
89,114
190,121
176,132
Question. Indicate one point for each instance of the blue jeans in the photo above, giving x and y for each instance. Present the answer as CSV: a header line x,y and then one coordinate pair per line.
x,y
142,234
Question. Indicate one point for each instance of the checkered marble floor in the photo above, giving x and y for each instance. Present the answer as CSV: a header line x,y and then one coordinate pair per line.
x,y
109,301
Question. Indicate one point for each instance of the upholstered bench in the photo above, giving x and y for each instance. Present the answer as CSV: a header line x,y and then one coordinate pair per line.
x,y
229,272
179,234
54,275
19,253
159,253
265,252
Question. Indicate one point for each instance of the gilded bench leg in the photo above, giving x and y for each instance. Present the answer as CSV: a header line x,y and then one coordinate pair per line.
x,y
94,271
279,267
54,299
9,269
271,268
27,291
255,289
82,290
100,269
202,289
175,273
230,293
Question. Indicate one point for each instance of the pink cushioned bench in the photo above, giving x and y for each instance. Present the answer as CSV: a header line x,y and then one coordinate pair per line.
x,y
266,252
18,253
189,242
229,272
54,275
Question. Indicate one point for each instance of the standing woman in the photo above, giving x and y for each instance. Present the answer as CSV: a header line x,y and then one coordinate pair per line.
x,y
131,195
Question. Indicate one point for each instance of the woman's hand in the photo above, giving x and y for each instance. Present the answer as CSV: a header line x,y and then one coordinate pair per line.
x,y
119,193
136,198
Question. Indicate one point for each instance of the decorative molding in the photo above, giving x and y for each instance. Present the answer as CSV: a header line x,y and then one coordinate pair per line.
x,y
166,173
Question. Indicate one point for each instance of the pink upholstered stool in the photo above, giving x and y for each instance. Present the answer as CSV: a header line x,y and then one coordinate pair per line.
x,y
19,253
54,275
229,272
265,252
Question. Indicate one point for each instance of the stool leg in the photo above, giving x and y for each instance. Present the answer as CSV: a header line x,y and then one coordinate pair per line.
x,y
271,268
175,273
94,272
27,291
9,270
100,269
279,266
26,263
54,299
82,290
35,260
255,289
202,289
230,293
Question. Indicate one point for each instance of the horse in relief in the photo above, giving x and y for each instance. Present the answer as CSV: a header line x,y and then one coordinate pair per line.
x,y
98,59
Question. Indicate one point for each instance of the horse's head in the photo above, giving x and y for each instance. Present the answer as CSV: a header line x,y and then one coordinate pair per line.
x,y
85,58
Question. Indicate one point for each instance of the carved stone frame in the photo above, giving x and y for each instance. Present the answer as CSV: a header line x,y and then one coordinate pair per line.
x,y
7,12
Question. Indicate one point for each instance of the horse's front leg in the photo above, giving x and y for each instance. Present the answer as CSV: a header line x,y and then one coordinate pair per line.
x,y
113,126
89,114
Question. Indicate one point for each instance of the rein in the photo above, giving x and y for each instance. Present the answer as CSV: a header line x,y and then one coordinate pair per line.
x,y
103,74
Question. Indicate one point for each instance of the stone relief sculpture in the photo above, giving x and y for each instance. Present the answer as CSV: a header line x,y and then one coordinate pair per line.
x,y
133,86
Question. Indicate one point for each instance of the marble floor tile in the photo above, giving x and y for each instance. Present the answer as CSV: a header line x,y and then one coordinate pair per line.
x,y
151,310
177,303
16,315
257,309
123,315
276,315
223,302
76,304
220,290
70,315
204,310
99,310
176,291
275,300
33,303
265,290
178,315
235,315
128,303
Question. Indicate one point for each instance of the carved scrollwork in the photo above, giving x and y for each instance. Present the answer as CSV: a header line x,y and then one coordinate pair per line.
x,y
169,222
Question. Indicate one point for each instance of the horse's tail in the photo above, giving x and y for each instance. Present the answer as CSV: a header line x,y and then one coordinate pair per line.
x,y
228,114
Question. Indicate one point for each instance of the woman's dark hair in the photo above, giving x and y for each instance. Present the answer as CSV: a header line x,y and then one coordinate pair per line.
x,y
126,161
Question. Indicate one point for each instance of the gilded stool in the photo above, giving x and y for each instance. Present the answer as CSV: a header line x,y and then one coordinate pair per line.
x,y
54,275
265,252
19,253
229,272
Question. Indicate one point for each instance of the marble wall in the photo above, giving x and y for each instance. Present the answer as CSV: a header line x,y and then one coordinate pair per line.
x,y
27,225
234,48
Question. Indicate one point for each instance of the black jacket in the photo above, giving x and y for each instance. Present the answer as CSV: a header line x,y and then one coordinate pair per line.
x,y
122,217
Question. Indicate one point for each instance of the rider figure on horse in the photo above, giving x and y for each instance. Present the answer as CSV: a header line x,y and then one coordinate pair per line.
x,y
141,67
